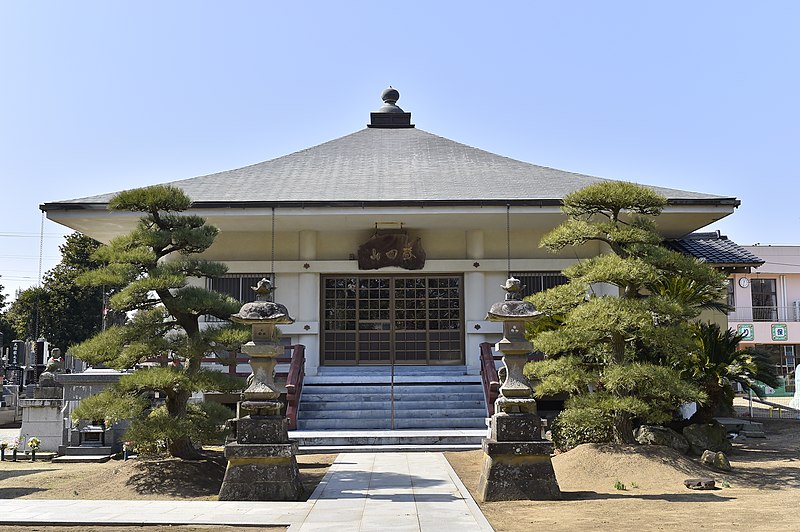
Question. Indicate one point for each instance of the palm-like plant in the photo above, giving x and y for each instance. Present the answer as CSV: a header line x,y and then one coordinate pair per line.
x,y
691,293
717,363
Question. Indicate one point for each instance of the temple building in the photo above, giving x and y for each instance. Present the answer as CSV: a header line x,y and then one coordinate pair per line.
x,y
388,245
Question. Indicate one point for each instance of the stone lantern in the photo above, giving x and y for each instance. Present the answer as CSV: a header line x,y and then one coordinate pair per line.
x,y
261,461
516,460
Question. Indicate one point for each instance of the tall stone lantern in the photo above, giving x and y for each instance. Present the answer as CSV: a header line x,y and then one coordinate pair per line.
x,y
262,464
516,459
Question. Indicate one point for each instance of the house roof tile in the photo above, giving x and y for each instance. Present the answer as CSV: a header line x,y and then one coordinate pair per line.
x,y
715,249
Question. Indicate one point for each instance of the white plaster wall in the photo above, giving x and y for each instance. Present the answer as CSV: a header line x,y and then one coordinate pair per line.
x,y
480,255
253,245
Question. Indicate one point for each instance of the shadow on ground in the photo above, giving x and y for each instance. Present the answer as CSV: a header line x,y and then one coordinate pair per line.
x,y
14,493
18,473
179,478
695,496
171,477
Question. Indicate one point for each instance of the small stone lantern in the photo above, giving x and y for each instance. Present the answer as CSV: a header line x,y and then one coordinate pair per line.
x,y
261,461
516,460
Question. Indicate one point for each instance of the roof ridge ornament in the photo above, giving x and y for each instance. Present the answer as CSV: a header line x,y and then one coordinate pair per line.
x,y
390,115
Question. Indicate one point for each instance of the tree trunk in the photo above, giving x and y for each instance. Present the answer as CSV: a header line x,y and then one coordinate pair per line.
x,y
623,428
617,348
184,449
181,447
705,413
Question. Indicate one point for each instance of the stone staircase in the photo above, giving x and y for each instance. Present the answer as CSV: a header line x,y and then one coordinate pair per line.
x,y
352,407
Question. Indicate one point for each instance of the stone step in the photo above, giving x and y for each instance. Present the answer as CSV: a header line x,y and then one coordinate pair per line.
x,y
82,459
354,438
739,425
311,396
336,405
385,423
385,413
88,451
386,379
330,449
420,389
398,370
752,434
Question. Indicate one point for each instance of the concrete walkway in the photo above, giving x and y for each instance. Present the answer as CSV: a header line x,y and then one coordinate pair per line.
x,y
361,492
8,434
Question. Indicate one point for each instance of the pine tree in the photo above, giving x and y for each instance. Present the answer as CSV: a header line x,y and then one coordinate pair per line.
x,y
153,264
614,353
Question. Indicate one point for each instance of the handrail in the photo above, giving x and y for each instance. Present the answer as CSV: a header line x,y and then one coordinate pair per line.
x,y
775,405
489,377
294,383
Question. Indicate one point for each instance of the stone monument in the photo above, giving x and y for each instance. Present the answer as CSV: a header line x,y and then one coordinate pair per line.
x,y
516,459
261,459
41,415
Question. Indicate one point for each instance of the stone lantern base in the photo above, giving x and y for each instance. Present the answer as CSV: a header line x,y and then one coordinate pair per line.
x,y
261,462
516,461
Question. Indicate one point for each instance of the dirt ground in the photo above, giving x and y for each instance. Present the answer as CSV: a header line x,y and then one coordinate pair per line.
x,y
138,478
761,493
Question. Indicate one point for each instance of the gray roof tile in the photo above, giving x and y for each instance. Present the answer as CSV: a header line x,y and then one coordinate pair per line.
x,y
391,165
715,249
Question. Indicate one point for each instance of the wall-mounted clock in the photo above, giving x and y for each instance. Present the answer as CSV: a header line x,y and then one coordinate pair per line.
x,y
744,282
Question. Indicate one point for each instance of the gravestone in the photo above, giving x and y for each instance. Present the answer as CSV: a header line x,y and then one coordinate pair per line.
x,y
78,386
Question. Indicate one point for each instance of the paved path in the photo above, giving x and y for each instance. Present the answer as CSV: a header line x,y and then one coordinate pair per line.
x,y
8,434
361,492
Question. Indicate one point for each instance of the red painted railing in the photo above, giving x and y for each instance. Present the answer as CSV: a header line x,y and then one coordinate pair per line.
x,y
296,358
491,381
294,383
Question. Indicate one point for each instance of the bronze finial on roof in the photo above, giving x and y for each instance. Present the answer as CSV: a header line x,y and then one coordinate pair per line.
x,y
390,115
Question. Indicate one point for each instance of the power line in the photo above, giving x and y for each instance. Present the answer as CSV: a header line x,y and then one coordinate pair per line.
x,y
29,235
13,257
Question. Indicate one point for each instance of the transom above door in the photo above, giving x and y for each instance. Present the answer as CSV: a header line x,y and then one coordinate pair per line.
x,y
392,320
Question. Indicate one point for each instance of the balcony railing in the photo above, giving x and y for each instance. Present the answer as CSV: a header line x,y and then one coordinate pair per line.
x,y
745,314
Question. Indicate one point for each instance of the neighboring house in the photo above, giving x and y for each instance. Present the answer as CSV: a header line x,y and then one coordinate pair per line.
x,y
767,306
725,255
389,243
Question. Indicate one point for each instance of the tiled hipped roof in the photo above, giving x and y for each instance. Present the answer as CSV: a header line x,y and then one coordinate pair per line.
x,y
716,250
383,166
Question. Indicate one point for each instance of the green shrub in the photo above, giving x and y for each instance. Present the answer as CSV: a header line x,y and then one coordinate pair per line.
x,y
203,424
575,426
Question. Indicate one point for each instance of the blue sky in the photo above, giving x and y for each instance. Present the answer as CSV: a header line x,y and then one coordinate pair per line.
x,y
100,96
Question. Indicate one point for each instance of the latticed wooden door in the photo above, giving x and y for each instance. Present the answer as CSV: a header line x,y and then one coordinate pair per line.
x,y
392,320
